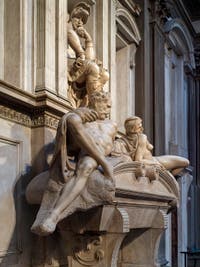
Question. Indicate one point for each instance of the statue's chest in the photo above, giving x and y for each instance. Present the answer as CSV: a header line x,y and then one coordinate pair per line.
x,y
100,131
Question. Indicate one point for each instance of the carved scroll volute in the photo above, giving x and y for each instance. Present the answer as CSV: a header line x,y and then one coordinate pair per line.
x,y
88,251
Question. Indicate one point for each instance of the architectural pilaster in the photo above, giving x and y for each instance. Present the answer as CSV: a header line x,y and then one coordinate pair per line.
x,y
51,72
61,47
158,16
12,42
142,83
2,39
184,183
45,73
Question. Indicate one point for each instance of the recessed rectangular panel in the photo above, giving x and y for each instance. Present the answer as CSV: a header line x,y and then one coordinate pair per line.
x,y
9,172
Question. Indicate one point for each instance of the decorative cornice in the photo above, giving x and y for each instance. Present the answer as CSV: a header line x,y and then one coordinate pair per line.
x,y
28,100
38,120
45,120
15,116
31,109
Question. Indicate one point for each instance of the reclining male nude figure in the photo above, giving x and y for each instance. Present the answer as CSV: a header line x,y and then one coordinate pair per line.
x,y
90,139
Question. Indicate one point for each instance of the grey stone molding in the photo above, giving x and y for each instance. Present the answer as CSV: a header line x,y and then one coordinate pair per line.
x,y
45,119
15,116
31,110
45,98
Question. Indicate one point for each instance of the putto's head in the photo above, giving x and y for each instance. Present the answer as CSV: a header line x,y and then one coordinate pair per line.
x,y
101,103
80,14
133,125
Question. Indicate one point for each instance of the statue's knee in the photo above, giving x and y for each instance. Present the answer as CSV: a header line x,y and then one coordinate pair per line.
x,y
86,167
74,120
93,68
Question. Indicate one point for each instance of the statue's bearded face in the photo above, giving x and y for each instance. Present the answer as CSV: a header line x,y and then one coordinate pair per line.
x,y
103,107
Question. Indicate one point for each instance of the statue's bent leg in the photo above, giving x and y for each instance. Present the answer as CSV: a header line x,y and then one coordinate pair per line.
x,y
36,188
69,192
85,167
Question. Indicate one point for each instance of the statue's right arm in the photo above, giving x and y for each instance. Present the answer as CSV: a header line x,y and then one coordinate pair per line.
x,y
75,43
89,49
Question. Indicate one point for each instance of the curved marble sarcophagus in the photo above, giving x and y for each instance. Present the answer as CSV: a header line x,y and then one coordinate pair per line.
x,y
110,223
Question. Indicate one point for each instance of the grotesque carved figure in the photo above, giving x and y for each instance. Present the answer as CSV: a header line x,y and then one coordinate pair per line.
x,y
135,146
86,74
87,135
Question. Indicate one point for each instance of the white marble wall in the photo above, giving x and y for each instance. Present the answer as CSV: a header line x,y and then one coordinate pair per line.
x,y
176,127
31,57
125,84
15,158
176,123
51,56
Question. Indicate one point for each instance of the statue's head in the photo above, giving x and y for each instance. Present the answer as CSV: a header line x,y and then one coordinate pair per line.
x,y
80,14
133,125
101,103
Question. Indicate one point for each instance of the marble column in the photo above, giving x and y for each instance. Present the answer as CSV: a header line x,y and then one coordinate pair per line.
x,y
184,183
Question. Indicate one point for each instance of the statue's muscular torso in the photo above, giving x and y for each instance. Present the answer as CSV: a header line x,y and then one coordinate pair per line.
x,y
103,133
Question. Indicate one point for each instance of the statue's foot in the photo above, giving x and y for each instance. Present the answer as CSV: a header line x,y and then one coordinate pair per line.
x,y
46,226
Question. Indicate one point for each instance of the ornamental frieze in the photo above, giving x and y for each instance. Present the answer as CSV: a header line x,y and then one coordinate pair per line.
x,y
39,120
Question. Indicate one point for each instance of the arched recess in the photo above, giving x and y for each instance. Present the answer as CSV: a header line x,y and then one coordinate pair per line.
x,y
179,57
127,27
179,64
181,39
127,39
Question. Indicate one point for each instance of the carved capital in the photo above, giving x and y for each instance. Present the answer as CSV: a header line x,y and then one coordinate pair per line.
x,y
160,12
89,250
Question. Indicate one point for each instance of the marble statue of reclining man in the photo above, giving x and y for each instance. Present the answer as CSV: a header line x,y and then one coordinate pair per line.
x,y
87,135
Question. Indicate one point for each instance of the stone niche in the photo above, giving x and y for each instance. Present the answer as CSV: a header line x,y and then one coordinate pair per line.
x,y
103,200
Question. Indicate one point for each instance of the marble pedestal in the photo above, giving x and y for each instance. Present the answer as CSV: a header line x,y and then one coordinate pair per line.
x,y
124,233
